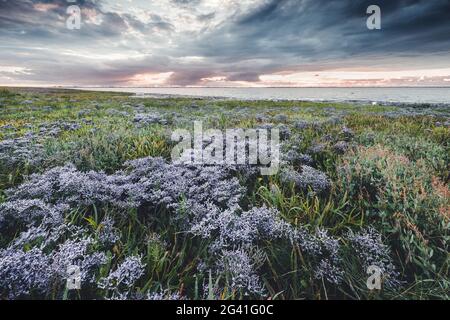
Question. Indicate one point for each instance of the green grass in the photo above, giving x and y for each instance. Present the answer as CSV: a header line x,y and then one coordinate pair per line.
x,y
394,178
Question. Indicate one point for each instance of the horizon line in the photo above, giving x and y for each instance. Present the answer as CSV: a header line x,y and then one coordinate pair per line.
x,y
216,87
251,87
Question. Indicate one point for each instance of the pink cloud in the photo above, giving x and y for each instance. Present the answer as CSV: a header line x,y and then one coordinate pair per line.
x,y
44,7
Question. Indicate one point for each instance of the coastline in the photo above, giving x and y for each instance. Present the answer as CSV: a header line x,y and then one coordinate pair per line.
x,y
139,95
397,101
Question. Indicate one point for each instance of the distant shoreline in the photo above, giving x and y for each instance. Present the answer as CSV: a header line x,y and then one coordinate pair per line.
x,y
361,101
331,95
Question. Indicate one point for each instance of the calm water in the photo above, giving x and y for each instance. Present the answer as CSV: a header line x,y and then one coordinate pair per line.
x,y
413,95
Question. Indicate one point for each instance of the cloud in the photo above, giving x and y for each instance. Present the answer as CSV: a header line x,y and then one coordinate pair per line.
x,y
196,42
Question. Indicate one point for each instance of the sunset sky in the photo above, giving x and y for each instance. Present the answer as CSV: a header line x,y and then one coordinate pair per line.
x,y
225,43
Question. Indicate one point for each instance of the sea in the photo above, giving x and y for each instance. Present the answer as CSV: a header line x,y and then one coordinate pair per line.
x,y
432,95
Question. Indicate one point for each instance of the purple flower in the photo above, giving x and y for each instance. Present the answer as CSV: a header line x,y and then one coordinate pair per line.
x,y
79,253
165,295
68,186
24,273
347,133
125,276
296,158
341,147
308,178
370,250
145,119
107,233
238,265
29,212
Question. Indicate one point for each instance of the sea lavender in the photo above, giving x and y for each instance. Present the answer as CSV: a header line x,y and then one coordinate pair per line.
x,y
308,178
297,158
316,148
233,229
329,265
47,235
301,124
347,133
24,273
107,233
125,276
210,196
68,186
23,150
261,118
341,147
7,127
281,118
165,295
152,182
26,212
84,112
284,131
370,250
56,127
78,252
238,265
328,271
145,119
115,112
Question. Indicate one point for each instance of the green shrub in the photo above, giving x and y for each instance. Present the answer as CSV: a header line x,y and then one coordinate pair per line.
x,y
407,202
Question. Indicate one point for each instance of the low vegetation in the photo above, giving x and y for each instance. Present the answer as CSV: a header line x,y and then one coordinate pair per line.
x,y
86,179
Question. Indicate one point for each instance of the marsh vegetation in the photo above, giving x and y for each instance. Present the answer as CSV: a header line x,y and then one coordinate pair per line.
x,y
86,179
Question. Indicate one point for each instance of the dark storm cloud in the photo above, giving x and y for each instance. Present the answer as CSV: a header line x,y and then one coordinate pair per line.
x,y
244,76
270,37
189,77
341,27
297,31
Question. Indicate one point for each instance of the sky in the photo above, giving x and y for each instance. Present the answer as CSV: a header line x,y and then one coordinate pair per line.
x,y
254,43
